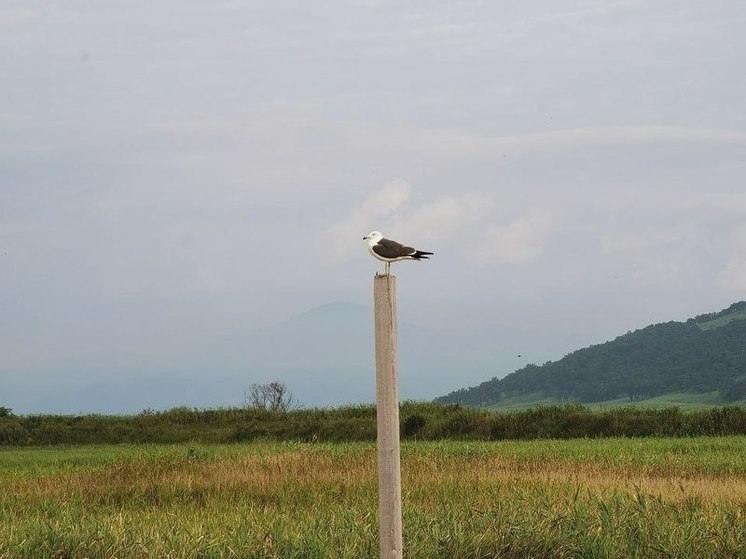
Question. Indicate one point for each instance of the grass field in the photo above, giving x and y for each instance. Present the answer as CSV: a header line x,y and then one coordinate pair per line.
x,y
610,498
722,321
682,400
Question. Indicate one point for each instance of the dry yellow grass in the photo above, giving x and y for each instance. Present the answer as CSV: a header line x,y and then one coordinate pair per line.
x,y
613,499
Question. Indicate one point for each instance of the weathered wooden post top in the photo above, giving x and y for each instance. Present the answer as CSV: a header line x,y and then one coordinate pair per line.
x,y
387,391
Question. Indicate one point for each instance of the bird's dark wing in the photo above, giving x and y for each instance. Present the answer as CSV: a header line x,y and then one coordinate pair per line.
x,y
391,249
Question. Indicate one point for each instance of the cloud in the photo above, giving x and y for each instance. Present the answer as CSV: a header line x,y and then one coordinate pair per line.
x,y
733,275
380,204
441,217
639,243
519,242
461,143
395,210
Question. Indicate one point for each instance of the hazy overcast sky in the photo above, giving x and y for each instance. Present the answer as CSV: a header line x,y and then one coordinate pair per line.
x,y
174,172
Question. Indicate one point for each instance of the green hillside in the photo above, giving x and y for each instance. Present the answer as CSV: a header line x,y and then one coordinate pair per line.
x,y
692,364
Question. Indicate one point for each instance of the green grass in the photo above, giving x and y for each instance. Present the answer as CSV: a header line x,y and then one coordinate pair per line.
x,y
684,401
723,320
525,401
610,498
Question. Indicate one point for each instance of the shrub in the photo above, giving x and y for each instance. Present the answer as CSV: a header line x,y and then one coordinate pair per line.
x,y
413,424
425,421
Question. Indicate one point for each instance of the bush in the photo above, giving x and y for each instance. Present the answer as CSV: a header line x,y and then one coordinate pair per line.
x,y
413,424
422,421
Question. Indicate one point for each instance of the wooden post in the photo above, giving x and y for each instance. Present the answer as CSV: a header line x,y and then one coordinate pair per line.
x,y
387,416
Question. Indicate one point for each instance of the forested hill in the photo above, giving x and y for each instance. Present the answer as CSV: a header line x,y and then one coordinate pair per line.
x,y
704,354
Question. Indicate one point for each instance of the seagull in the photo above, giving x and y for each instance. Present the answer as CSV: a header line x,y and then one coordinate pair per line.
x,y
390,251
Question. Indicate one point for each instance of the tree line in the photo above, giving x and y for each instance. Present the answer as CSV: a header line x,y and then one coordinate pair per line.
x,y
419,421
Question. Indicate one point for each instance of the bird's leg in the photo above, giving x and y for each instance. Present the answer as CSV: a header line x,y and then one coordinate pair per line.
x,y
387,269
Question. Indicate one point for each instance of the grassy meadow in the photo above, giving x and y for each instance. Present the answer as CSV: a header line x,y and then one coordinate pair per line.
x,y
684,401
610,498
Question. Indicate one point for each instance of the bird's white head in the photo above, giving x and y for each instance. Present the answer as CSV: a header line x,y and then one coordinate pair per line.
x,y
373,236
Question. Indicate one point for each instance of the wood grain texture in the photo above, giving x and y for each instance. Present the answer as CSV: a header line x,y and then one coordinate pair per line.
x,y
387,417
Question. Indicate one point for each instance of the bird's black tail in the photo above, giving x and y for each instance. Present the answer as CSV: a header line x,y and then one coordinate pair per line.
x,y
422,255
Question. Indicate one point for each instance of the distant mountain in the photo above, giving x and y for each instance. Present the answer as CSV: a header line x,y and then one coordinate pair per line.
x,y
705,354
324,355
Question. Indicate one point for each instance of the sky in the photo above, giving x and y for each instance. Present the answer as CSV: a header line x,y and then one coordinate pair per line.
x,y
178,172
